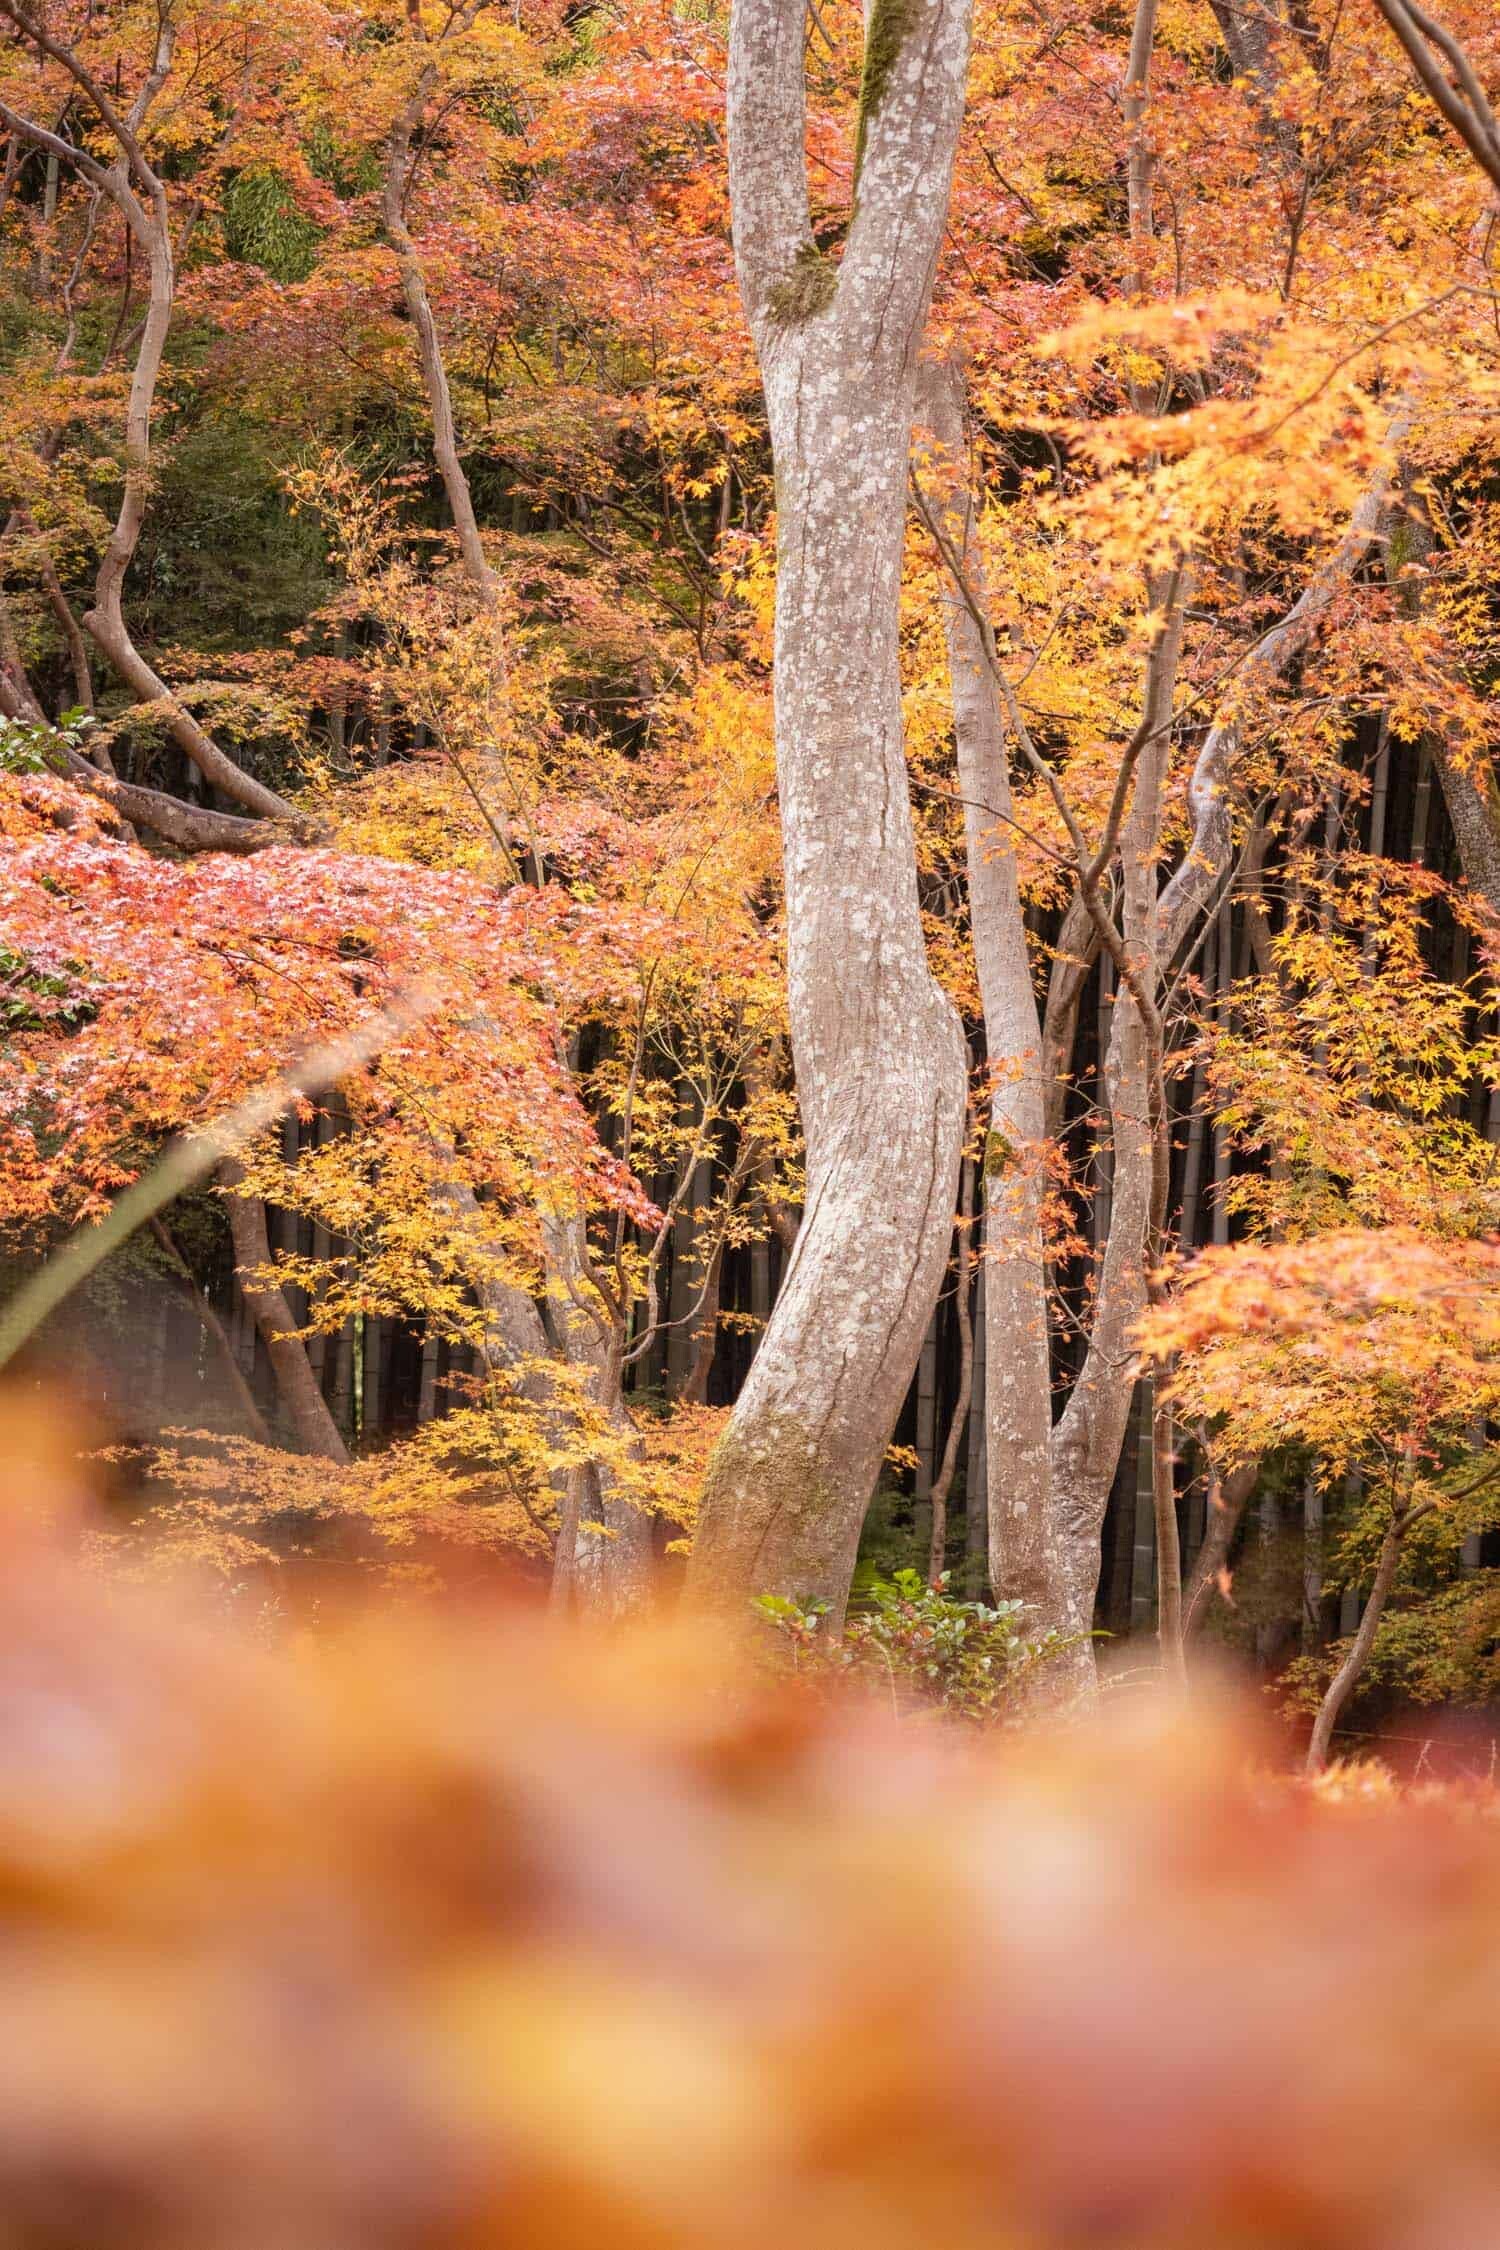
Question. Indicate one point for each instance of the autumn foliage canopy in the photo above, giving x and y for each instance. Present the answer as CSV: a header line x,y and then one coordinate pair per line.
x,y
749,1124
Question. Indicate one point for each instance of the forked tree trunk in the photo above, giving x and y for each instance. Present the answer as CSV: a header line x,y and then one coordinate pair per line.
x,y
878,1052
1048,1488
307,1409
1088,1438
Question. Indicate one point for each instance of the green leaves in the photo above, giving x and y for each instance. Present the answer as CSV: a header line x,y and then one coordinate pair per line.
x,y
31,997
920,1643
263,226
33,746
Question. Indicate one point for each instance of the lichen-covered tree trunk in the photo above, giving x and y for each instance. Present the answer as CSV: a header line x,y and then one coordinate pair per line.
x,y
878,1052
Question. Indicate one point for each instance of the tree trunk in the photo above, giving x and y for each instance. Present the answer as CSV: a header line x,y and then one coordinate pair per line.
x,y
1346,1678
976,1471
317,1432
927,1403
244,1397
373,1342
705,1330
1168,1548
604,1559
610,1569
1086,1442
106,620
1246,26
689,1275
1138,1480
1226,1505
878,1052
1017,1369
1474,809
942,1483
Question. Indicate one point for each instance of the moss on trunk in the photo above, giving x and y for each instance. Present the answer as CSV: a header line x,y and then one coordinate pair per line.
x,y
779,1525
890,23
806,291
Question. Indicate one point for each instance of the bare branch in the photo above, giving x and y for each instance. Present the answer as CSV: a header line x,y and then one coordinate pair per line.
x,y
1465,104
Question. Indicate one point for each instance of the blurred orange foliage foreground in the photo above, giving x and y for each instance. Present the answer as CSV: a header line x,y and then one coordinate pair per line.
x,y
436,1926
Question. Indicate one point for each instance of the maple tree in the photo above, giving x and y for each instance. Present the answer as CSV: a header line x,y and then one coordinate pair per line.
x,y
749,878
395,532
431,1185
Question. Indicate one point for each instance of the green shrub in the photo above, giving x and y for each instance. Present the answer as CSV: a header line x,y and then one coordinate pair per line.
x,y
923,1643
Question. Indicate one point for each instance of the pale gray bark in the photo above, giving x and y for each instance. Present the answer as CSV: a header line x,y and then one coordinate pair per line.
x,y
190,827
1049,1488
1197,878
1052,1533
1143,1523
1073,957
1246,27
692,1253
1451,80
878,1053
514,1336
1017,1357
705,1330
976,1470
1474,809
926,1435
1087,1440
608,1568
942,1483
397,182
